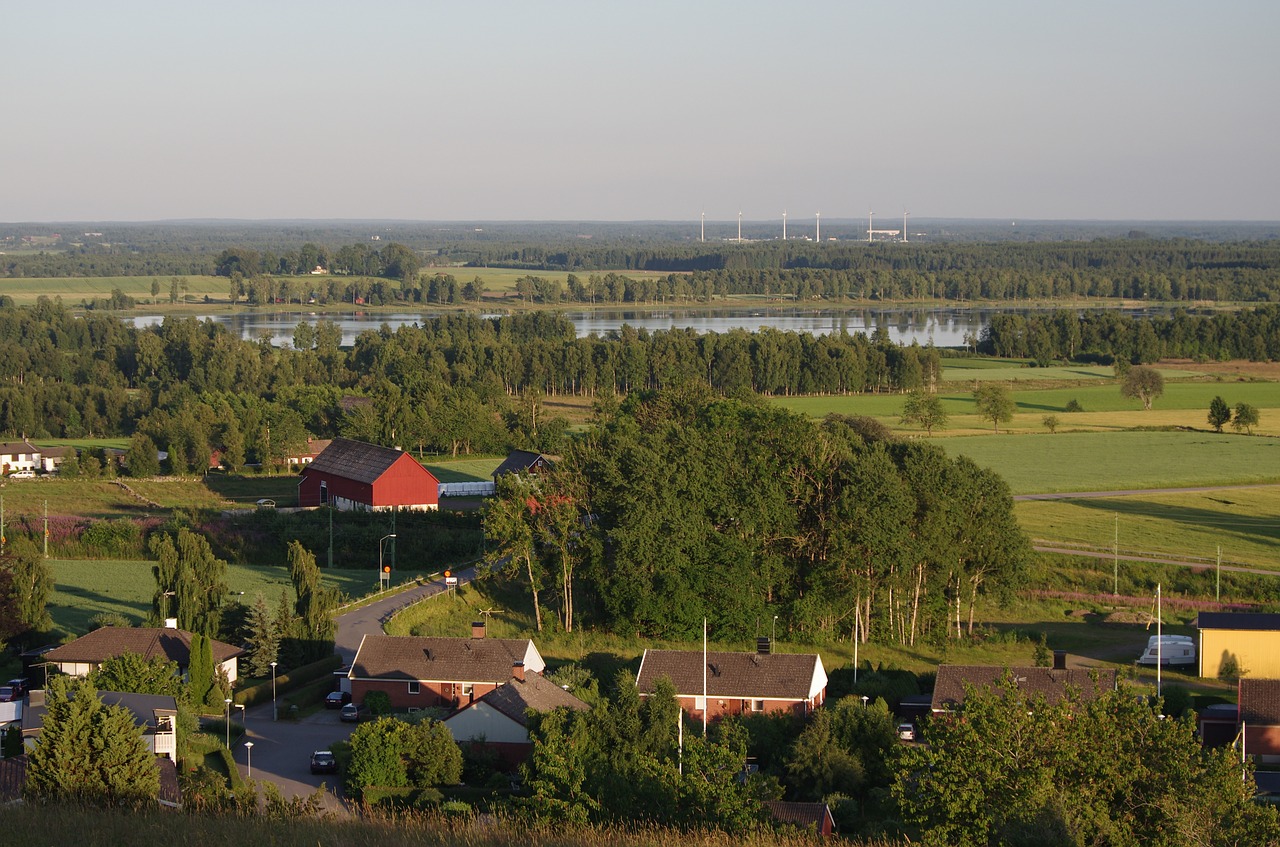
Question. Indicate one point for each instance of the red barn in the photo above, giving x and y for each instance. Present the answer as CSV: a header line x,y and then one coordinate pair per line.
x,y
353,475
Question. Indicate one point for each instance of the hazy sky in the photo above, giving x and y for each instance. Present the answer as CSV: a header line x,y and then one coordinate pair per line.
x,y
641,110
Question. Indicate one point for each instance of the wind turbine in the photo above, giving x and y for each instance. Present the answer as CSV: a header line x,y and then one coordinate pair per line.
x,y
784,224
904,225
704,226
739,227
870,215
817,226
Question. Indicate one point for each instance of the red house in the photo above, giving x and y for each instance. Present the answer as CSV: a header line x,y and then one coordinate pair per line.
x,y
353,475
418,672
735,683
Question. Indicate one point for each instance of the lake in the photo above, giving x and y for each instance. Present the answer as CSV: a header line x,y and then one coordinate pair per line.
x,y
944,326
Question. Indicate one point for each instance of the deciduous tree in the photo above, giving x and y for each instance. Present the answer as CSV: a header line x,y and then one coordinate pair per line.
x,y
1245,418
925,410
994,403
1219,413
1142,383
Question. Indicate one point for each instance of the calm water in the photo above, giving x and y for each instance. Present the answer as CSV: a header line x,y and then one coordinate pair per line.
x,y
943,326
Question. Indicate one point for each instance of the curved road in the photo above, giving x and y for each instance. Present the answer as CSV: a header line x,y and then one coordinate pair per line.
x,y
281,751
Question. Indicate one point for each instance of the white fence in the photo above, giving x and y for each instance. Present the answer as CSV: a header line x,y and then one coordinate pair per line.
x,y
467,489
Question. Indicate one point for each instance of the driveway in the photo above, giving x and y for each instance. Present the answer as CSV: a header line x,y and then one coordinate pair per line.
x,y
282,749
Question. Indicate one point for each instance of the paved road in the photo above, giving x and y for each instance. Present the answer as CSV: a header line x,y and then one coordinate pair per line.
x,y
282,749
368,620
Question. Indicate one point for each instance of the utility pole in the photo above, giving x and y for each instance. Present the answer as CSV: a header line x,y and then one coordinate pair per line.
x,y
1217,591
2,539
46,529
330,533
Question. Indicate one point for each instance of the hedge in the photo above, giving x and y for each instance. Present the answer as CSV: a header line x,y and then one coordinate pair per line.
x,y
261,693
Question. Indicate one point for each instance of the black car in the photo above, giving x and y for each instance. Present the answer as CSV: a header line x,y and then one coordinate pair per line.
x,y
337,699
323,761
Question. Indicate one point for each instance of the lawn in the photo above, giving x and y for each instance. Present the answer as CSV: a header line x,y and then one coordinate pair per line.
x,y
1191,524
467,469
73,290
84,588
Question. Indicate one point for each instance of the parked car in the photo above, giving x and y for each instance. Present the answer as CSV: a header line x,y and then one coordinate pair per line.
x,y
8,694
337,699
22,475
21,683
907,731
323,761
352,713
266,503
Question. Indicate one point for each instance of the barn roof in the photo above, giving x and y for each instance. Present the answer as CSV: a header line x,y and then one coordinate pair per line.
x,y
443,659
520,460
1238,620
354,460
768,676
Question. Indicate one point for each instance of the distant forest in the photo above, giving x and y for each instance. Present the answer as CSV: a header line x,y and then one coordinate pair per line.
x,y
461,383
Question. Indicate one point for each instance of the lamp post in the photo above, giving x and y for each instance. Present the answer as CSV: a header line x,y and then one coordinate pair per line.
x,y
275,715
228,702
383,575
248,757
773,638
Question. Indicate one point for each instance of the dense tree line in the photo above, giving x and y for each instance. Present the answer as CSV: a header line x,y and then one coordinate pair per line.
x,y
1066,334
679,506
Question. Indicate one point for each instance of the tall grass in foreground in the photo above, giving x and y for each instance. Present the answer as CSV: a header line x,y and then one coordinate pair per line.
x,y
88,827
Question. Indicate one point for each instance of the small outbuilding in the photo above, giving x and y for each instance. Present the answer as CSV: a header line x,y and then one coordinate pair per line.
x,y
1241,643
357,476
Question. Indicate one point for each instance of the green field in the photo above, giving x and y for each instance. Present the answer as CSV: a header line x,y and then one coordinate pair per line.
x,y
73,290
85,588
1186,525
1109,461
469,469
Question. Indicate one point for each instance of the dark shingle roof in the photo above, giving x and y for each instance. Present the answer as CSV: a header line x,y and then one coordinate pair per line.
x,y
1238,620
949,690
145,641
355,460
534,692
773,676
443,659
1260,701
520,460
143,707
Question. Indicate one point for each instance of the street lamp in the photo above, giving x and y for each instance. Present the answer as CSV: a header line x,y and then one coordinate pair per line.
x,y
248,756
774,639
865,698
275,716
383,574
228,702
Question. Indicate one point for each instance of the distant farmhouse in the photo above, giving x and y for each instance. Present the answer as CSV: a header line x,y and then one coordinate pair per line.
x,y
18,456
356,476
523,461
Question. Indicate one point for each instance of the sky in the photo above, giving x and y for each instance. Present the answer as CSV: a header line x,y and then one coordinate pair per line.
x,y
647,110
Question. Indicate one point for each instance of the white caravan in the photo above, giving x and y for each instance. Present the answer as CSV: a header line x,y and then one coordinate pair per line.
x,y
1169,650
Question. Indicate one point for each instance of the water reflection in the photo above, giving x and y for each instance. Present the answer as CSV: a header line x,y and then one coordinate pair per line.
x,y
944,326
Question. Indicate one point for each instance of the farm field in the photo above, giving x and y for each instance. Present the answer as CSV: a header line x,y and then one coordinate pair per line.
x,y
1186,525
1070,461
84,588
73,290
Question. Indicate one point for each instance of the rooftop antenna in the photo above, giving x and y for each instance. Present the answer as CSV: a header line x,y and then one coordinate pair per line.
x,y
739,227
704,226
784,224
870,215
817,226
904,225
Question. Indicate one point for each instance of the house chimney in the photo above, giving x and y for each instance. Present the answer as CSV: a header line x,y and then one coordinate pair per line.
x,y
1059,660
764,646
517,671
170,623
477,629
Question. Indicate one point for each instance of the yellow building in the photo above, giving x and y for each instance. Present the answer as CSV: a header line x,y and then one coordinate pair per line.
x,y
1248,643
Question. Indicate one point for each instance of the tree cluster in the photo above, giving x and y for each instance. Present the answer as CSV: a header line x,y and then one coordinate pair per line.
x,y
679,505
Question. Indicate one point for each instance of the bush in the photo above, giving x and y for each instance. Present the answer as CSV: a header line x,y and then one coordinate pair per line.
x,y
378,703
261,692
1073,405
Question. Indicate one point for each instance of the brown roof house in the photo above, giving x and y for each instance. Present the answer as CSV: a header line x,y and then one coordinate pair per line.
x,y
88,651
524,461
438,672
1259,713
815,816
735,683
500,719
1051,683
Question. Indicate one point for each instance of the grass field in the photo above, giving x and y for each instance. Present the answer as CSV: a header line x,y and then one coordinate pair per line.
x,y
1192,524
85,588
73,290
1109,461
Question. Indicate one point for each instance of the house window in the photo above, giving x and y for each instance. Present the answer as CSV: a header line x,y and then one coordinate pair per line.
x,y
467,689
324,492
415,687
757,705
